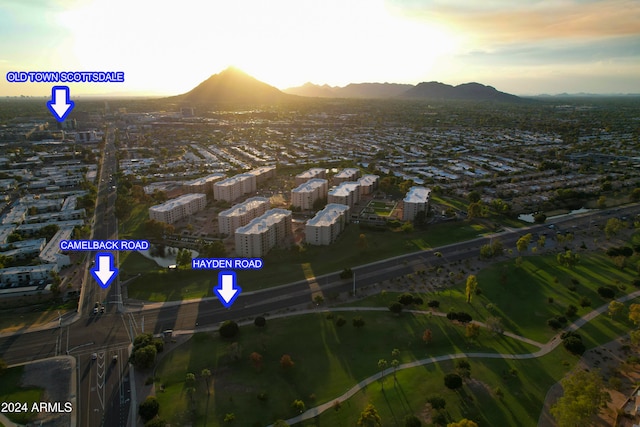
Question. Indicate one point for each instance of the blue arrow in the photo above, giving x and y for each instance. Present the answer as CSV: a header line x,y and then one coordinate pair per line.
x,y
227,289
104,271
60,104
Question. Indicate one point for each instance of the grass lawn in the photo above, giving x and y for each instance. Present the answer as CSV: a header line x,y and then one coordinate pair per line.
x,y
10,391
288,265
523,301
524,384
328,362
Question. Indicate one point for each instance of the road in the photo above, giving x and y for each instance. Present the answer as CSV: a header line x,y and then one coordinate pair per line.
x,y
104,392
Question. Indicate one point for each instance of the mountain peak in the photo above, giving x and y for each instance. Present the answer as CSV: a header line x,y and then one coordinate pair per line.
x,y
232,85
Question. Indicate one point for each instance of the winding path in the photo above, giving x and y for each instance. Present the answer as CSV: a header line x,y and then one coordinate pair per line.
x,y
544,349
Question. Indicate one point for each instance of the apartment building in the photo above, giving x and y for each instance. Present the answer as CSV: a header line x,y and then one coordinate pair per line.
x,y
368,184
202,185
175,209
312,173
347,193
326,226
263,233
232,188
416,200
241,214
347,174
305,194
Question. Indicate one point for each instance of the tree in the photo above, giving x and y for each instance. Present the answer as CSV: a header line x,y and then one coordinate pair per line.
x,y
427,336
286,362
144,357
539,218
568,259
615,308
436,402
463,423
472,286
583,395
206,374
260,321
3,366
183,258
190,379
453,381
612,227
463,367
395,308
229,417
382,365
634,313
229,329
523,242
149,408
635,195
405,299
472,331
369,417
298,406
358,322
476,209
494,324
256,360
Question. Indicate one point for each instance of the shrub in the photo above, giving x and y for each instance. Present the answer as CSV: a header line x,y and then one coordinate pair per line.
x,y
436,402
554,323
453,381
573,343
606,292
435,303
405,299
340,321
149,408
229,329
260,321
585,302
571,310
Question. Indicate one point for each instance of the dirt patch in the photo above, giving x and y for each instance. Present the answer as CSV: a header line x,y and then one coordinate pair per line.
x,y
610,360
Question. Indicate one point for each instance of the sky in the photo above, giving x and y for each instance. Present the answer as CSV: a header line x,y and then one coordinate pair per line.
x,y
525,47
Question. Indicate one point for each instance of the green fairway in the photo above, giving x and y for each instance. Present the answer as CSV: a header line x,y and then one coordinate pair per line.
x,y
288,265
522,299
523,383
10,391
329,361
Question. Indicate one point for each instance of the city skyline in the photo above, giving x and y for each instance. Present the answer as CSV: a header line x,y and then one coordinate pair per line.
x,y
524,48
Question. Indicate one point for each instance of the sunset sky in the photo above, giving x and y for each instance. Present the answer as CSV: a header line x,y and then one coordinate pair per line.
x,y
168,47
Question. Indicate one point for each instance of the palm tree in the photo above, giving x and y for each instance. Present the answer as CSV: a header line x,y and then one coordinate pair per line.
x,y
206,374
382,365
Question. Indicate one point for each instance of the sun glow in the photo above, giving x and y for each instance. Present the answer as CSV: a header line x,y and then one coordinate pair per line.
x,y
171,47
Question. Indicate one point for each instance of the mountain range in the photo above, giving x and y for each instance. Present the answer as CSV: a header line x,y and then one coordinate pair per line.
x,y
234,86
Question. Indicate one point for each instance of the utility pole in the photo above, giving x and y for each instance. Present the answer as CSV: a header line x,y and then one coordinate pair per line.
x,y
354,283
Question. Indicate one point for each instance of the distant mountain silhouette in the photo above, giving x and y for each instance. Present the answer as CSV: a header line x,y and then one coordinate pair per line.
x,y
431,90
469,91
232,85
353,90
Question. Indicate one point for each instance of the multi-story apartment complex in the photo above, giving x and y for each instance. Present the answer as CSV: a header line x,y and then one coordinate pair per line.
x,y
175,209
368,184
304,195
232,188
263,173
263,233
347,193
347,174
241,214
311,174
202,185
416,200
326,226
